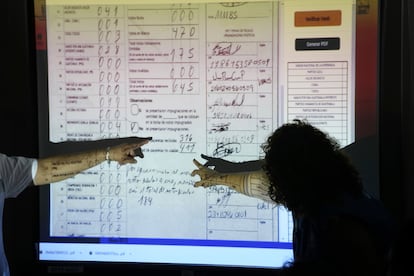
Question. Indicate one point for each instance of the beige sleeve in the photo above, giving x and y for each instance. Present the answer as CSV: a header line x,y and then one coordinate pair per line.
x,y
253,184
256,184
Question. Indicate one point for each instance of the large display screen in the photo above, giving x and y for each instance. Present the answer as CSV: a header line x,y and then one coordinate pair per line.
x,y
199,77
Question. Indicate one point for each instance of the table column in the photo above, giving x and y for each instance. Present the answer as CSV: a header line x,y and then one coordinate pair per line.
x,y
318,92
87,93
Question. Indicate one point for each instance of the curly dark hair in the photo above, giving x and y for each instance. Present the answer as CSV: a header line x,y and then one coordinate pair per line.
x,y
306,167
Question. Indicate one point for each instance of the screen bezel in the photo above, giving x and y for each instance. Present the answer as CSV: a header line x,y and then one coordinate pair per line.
x,y
367,128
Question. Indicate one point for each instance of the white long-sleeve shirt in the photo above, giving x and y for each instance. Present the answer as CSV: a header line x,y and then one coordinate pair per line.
x,y
16,174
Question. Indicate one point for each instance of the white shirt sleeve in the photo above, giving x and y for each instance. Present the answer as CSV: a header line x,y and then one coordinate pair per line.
x,y
34,169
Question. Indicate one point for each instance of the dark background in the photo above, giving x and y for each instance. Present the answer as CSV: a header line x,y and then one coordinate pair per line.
x,y
19,127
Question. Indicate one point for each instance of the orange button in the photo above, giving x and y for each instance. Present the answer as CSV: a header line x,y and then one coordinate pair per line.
x,y
317,18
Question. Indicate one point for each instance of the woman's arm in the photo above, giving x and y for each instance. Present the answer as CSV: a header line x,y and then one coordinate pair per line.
x,y
251,183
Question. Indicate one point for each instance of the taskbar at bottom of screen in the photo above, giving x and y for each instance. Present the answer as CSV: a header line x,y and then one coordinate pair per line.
x,y
252,257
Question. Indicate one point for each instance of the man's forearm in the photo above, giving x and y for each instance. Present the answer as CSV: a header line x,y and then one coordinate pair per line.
x,y
57,168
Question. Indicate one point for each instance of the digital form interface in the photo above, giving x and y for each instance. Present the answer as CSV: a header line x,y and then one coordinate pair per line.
x,y
199,78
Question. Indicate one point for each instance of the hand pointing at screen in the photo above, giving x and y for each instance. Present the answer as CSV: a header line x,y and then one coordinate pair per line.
x,y
18,172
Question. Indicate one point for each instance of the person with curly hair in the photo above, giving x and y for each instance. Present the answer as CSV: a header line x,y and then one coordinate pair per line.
x,y
337,225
